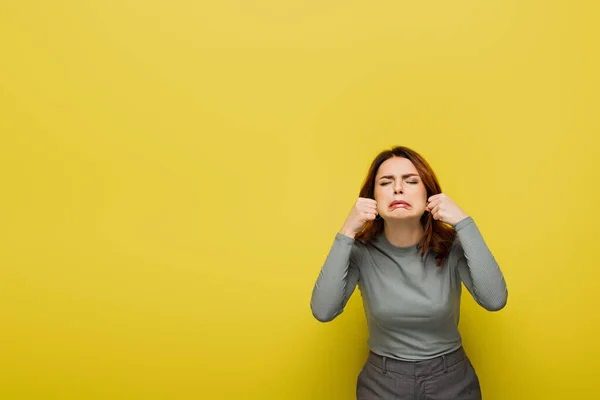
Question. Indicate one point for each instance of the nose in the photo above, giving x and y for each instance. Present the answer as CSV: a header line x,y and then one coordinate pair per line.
x,y
398,188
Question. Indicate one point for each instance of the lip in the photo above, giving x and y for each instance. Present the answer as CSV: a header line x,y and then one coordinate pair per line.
x,y
399,204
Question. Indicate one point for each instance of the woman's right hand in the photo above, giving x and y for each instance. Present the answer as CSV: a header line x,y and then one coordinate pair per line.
x,y
364,210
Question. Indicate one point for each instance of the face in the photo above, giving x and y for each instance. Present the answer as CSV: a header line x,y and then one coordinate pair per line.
x,y
399,190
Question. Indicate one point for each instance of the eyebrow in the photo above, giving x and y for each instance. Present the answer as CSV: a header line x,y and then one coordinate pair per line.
x,y
403,176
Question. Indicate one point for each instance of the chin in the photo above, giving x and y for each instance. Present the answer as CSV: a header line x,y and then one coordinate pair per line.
x,y
401,217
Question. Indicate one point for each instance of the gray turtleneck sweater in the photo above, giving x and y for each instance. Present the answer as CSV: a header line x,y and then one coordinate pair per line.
x,y
412,306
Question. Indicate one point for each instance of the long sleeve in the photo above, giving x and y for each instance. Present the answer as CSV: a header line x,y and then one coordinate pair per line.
x,y
337,279
478,269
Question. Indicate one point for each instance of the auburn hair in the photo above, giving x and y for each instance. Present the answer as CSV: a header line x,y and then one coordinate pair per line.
x,y
438,236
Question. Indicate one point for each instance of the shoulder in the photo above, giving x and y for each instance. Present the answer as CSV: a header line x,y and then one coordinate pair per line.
x,y
456,251
358,247
461,228
456,245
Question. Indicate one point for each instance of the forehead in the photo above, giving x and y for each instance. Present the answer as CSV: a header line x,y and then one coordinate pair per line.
x,y
396,166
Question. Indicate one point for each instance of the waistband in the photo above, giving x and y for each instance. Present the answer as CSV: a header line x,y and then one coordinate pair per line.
x,y
417,368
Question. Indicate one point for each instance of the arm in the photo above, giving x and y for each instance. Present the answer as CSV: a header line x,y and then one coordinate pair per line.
x,y
337,279
478,269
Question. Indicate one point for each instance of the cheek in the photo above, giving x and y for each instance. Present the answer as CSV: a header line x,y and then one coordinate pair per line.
x,y
380,195
422,194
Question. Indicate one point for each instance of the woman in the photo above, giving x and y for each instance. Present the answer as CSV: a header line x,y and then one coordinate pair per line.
x,y
409,247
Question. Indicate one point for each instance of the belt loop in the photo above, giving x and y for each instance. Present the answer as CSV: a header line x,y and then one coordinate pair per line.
x,y
445,363
384,369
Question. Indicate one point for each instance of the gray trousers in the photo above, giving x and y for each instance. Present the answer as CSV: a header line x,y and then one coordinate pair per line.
x,y
449,377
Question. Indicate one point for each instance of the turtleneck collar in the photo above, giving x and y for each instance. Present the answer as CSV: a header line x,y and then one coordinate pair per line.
x,y
397,250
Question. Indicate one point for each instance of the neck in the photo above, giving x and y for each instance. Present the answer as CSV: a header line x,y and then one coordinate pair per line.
x,y
403,233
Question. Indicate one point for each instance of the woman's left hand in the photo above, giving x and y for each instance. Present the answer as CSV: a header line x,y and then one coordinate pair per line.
x,y
442,208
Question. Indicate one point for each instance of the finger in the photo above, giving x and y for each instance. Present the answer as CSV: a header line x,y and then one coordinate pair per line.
x,y
433,205
441,215
369,216
364,211
367,200
370,205
434,197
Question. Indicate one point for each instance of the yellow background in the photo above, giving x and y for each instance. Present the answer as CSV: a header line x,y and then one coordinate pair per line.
x,y
173,175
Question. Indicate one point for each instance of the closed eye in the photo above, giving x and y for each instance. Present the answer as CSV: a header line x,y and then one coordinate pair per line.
x,y
387,183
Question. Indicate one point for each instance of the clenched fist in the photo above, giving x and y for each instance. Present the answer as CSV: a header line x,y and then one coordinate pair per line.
x,y
364,210
442,208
